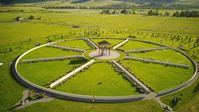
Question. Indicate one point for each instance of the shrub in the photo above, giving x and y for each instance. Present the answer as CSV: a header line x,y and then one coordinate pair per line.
x,y
31,17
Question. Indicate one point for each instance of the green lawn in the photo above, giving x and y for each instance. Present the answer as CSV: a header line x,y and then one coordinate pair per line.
x,y
13,32
46,52
81,44
100,79
163,55
158,76
10,89
71,106
189,100
134,45
112,41
42,73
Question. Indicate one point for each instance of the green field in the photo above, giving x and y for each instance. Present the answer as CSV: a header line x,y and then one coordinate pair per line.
x,y
189,99
134,45
81,44
158,77
42,73
12,31
93,82
163,55
46,52
56,24
70,106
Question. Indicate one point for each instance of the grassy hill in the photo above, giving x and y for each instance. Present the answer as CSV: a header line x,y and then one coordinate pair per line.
x,y
107,3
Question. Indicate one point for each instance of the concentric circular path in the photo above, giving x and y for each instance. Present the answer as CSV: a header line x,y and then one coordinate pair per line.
x,y
95,54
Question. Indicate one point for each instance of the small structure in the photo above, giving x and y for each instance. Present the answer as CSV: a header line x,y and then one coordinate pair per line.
x,y
104,47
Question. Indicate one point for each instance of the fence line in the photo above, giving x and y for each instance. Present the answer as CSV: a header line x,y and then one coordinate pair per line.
x,y
91,43
145,60
145,50
67,48
51,59
130,76
120,44
67,76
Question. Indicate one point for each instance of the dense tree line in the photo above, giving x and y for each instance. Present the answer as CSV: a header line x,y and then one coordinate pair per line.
x,y
24,19
187,13
153,12
187,43
189,40
123,11
157,13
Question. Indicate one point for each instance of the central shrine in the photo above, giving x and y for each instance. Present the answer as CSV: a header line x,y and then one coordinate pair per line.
x,y
104,47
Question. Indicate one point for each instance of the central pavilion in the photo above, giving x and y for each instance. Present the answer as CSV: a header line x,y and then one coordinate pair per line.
x,y
104,47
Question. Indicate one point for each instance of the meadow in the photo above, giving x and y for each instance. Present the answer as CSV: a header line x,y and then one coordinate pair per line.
x,y
100,79
163,55
43,73
135,45
149,105
47,52
189,99
57,24
81,44
158,77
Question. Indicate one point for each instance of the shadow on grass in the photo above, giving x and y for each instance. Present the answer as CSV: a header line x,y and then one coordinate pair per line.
x,y
77,61
195,90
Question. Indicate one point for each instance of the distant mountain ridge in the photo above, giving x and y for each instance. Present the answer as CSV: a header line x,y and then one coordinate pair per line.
x,y
108,3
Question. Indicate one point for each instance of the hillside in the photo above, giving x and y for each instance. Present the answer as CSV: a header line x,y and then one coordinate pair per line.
x,y
108,3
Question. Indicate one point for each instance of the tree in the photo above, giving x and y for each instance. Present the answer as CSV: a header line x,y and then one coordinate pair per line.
x,y
124,11
196,43
105,11
176,14
150,12
156,12
192,13
114,12
186,13
166,14
29,39
31,17
19,18
10,49
153,13
182,14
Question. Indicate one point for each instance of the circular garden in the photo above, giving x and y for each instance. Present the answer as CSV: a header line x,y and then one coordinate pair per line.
x,y
80,69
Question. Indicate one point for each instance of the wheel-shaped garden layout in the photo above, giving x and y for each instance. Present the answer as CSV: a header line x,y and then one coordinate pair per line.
x,y
74,69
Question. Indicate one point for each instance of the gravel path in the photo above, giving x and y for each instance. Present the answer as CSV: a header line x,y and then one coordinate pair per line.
x,y
35,101
113,55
